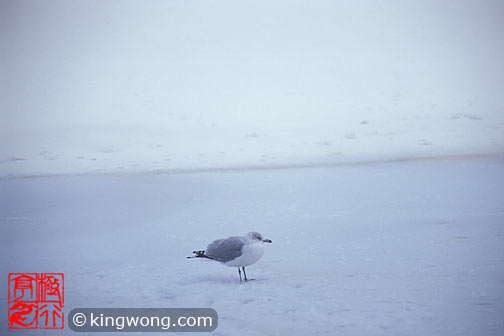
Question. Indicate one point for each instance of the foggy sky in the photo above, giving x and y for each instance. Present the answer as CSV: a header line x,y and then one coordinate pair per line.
x,y
285,67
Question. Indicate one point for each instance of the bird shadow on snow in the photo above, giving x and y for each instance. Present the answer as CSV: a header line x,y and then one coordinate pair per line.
x,y
212,279
221,279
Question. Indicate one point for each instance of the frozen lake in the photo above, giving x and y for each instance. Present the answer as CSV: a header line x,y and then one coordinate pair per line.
x,y
397,248
133,133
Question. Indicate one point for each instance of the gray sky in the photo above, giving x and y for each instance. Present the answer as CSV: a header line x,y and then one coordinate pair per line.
x,y
270,67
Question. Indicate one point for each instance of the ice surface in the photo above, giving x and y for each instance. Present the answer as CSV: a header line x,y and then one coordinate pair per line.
x,y
405,248
132,133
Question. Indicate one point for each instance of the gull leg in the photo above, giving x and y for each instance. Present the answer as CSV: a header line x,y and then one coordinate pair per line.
x,y
239,273
245,274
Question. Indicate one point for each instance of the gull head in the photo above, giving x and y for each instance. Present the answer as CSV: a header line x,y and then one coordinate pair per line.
x,y
257,237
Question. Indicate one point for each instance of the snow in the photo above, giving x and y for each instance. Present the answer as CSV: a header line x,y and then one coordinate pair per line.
x,y
366,139
402,248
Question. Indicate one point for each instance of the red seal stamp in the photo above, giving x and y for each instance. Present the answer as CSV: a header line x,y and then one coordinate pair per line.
x,y
36,300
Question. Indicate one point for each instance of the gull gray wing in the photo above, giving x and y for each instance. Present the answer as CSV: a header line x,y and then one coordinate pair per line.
x,y
225,250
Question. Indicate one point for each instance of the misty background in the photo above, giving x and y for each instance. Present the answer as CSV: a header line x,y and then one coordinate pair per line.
x,y
410,244
110,86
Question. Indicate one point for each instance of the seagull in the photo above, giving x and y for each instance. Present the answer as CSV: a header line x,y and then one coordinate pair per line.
x,y
239,251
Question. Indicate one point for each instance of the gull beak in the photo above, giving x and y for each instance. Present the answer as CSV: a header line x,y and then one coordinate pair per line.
x,y
267,241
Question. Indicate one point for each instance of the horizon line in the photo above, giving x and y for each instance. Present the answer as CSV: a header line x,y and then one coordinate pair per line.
x,y
243,168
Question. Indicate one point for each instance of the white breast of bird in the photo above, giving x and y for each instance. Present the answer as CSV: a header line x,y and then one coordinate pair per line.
x,y
250,255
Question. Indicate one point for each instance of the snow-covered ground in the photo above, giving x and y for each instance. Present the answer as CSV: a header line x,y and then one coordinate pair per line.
x,y
398,248
341,137
366,139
